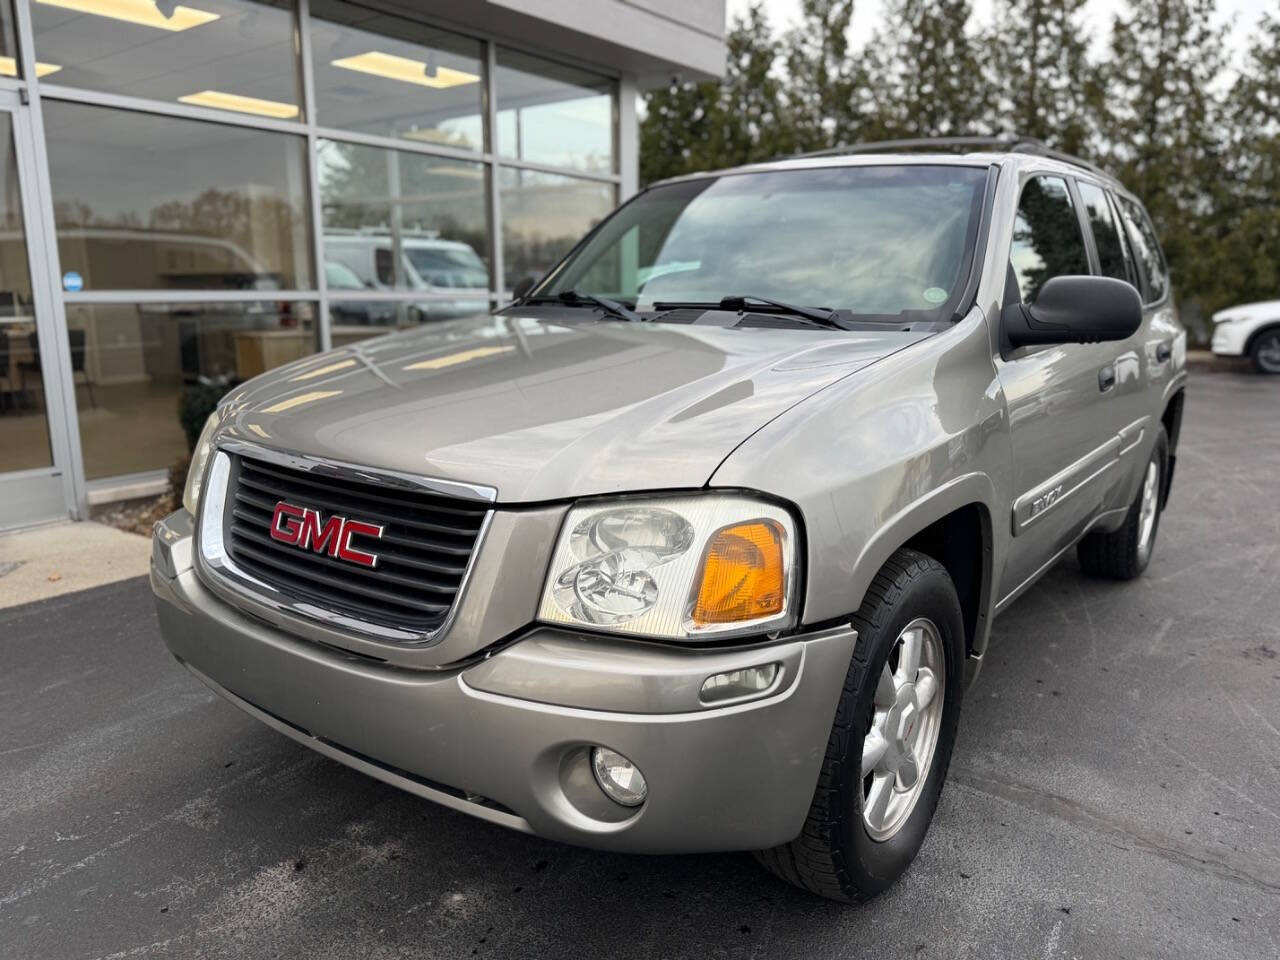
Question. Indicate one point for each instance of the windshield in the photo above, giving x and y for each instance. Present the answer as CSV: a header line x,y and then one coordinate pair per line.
x,y
870,240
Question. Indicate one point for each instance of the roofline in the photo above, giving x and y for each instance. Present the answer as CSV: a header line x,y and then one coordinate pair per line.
x,y
862,156
1013,143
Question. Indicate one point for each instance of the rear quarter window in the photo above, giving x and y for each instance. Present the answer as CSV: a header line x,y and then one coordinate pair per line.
x,y
1113,259
1146,249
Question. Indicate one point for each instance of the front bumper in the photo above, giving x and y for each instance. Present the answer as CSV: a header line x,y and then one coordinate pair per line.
x,y
1229,339
507,738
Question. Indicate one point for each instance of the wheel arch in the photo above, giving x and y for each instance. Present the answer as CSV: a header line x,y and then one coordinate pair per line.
x,y
1171,417
1265,327
954,525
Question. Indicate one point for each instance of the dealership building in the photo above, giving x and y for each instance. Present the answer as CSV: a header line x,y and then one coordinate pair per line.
x,y
195,192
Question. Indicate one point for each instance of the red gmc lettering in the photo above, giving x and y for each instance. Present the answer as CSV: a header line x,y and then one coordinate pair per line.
x,y
321,539
292,529
350,553
303,527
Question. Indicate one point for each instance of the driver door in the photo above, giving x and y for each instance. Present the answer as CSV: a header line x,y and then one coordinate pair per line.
x,y
1063,428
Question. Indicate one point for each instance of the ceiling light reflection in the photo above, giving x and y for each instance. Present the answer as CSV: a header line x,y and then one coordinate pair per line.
x,y
9,68
391,67
299,400
146,13
453,359
234,101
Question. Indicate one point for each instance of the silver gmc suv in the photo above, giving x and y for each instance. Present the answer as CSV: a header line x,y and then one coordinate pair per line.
x,y
697,545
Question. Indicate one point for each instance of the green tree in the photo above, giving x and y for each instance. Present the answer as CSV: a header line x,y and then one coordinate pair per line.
x,y
924,72
823,76
699,126
1246,252
1041,70
1163,127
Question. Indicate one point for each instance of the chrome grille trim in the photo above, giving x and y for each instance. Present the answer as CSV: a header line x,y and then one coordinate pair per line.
x,y
223,571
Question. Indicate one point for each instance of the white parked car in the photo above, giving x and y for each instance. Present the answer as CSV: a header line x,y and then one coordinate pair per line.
x,y
1250,330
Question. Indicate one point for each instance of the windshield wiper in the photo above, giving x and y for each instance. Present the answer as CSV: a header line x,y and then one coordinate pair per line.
x,y
572,298
819,316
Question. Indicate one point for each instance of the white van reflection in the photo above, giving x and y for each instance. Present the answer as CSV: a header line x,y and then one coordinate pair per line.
x,y
126,258
450,272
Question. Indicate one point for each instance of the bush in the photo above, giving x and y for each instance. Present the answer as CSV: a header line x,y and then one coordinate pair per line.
x,y
178,481
194,406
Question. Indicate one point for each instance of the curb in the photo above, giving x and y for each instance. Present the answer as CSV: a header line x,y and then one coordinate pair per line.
x,y
1207,362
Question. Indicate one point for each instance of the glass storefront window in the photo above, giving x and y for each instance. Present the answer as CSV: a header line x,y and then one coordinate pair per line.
x,y
236,55
429,210
144,202
352,320
149,200
543,216
9,66
378,73
553,114
137,361
24,426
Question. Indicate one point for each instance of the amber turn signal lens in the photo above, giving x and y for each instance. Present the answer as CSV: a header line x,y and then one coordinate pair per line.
x,y
742,575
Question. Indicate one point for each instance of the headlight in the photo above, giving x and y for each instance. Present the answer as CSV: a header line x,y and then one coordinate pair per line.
x,y
677,568
199,460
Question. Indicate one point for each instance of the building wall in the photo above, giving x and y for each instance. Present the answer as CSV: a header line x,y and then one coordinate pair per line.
x,y
648,39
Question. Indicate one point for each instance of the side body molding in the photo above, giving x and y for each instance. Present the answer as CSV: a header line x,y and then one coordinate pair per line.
x,y
1041,500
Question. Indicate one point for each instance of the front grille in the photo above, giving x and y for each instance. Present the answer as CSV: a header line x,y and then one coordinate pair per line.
x,y
423,553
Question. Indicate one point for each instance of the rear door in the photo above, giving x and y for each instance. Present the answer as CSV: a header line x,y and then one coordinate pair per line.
x,y
1137,361
1064,429
1161,343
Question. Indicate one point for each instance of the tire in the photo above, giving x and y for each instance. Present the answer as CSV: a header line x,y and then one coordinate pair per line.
x,y
1125,553
1265,352
836,855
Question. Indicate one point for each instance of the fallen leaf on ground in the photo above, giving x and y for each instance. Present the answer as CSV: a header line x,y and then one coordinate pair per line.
x,y
55,577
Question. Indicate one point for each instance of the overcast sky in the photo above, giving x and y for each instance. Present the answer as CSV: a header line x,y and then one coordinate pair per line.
x,y
1098,15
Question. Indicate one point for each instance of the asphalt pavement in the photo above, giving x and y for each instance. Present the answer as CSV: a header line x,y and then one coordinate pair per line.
x,y
1115,791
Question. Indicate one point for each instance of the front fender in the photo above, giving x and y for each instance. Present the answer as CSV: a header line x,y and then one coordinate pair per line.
x,y
878,457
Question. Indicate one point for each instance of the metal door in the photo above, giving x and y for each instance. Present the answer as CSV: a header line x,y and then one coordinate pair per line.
x,y
35,357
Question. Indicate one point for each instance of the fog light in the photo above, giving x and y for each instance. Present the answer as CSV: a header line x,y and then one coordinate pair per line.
x,y
739,683
619,778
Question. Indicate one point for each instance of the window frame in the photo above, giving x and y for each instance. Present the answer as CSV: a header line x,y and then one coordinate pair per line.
x,y
1077,208
1126,254
1147,299
622,177
35,92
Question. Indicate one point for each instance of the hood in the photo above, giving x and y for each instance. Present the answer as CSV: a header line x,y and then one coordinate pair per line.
x,y
547,409
1247,311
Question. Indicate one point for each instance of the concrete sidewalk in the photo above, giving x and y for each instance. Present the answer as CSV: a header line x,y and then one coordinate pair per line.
x,y
48,561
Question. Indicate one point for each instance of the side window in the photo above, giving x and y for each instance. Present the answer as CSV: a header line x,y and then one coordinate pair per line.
x,y
1106,232
1047,241
1145,248
382,263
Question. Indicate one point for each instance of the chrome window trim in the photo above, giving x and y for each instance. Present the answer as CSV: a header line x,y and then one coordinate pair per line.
x,y
226,577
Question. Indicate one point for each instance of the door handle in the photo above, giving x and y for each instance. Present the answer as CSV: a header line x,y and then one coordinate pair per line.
x,y
1106,378
1164,351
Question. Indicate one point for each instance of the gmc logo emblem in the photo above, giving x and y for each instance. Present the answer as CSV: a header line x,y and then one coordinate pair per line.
x,y
302,527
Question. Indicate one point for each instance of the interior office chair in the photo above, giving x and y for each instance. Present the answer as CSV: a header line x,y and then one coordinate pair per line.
x,y
77,341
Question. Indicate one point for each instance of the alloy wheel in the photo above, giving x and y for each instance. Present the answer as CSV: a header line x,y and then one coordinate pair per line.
x,y
1148,510
1268,352
898,749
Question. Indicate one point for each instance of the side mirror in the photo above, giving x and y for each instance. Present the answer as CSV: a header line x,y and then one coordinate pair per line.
x,y
1074,310
521,288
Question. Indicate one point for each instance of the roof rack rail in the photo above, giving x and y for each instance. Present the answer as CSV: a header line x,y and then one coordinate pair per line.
x,y
1013,143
